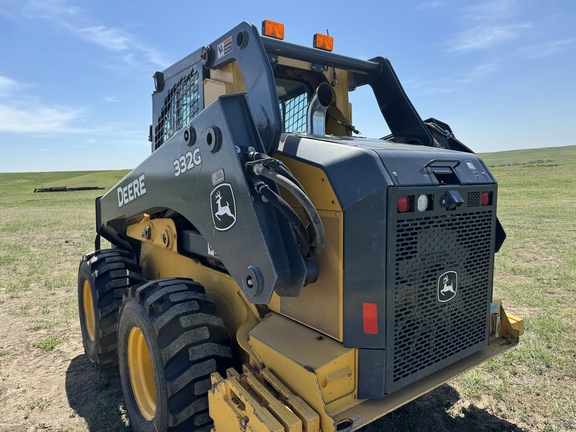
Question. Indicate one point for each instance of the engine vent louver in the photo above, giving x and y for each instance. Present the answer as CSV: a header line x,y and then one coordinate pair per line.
x,y
426,334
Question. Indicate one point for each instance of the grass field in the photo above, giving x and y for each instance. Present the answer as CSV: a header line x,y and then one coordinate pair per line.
x,y
535,385
47,383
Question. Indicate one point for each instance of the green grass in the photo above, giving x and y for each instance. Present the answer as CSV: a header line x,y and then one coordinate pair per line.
x,y
48,343
535,274
550,156
42,236
27,182
39,404
41,232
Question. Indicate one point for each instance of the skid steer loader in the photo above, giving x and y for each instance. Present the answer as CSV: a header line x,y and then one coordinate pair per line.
x,y
271,271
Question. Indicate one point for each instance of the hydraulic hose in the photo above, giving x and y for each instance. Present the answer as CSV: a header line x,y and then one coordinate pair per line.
x,y
274,165
288,212
311,213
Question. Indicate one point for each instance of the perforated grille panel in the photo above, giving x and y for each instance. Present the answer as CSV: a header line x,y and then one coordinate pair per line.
x,y
473,199
181,105
429,333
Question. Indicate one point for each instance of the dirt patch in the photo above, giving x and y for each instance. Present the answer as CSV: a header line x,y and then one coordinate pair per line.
x,y
511,278
521,311
33,379
55,388
539,257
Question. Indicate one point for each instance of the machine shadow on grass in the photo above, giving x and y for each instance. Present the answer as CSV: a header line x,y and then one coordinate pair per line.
x,y
95,394
429,413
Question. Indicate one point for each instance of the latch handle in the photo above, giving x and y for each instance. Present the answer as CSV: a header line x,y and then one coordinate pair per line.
x,y
441,163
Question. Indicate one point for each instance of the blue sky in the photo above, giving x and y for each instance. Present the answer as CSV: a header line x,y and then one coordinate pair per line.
x,y
76,77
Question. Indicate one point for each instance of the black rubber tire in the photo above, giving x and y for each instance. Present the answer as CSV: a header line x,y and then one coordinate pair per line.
x,y
186,342
108,273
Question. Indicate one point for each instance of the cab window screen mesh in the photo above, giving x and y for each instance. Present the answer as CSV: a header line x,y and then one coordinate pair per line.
x,y
181,105
293,97
294,113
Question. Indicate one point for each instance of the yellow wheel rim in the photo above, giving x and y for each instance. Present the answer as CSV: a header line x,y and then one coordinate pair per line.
x,y
141,373
88,306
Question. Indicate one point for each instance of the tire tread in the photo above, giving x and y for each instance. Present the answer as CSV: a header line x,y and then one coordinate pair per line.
x,y
111,272
193,343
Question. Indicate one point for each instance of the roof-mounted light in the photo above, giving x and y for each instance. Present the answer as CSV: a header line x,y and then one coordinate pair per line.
x,y
273,29
323,42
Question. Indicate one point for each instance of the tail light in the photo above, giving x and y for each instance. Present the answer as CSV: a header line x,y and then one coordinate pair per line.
x,y
404,204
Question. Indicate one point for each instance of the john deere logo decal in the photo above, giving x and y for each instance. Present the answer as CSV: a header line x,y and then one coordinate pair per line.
x,y
223,207
447,286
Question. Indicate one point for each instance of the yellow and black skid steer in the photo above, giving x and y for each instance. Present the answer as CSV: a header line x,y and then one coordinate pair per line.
x,y
270,270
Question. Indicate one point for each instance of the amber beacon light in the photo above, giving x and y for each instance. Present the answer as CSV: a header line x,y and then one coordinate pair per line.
x,y
324,42
273,29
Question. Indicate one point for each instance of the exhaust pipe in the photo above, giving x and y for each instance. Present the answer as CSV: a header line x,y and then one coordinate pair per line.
x,y
316,115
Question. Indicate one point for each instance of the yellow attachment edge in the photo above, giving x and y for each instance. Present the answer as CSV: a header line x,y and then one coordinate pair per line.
x,y
309,417
257,401
504,324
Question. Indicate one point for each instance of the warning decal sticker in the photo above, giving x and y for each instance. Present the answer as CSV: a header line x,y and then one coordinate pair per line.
x,y
225,48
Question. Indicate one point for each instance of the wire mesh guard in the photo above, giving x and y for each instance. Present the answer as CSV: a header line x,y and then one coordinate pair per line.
x,y
181,105
293,113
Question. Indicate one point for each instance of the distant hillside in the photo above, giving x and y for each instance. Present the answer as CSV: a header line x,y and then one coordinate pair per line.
x,y
20,182
549,156
105,179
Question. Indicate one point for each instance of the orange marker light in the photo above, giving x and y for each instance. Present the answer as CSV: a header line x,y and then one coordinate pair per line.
x,y
323,42
273,29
